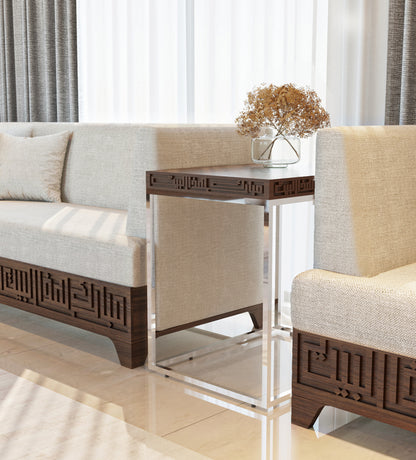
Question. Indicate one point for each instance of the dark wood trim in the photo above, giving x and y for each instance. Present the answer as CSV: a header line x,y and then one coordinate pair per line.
x,y
255,310
112,310
363,380
305,411
230,182
115,311
256,316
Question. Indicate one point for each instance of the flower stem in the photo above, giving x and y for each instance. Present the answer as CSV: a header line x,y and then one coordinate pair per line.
x,y
293,148
270,146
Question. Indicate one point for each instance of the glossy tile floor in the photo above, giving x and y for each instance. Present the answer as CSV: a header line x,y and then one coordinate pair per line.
x,y
60,386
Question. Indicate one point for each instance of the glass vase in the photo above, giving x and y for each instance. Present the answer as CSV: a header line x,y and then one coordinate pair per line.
x,y
275,151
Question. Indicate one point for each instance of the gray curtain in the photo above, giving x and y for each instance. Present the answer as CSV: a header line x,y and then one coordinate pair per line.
x,y
38,60
401,64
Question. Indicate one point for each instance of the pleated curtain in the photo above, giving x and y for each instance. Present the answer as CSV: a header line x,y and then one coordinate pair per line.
x,y
401,64
38,60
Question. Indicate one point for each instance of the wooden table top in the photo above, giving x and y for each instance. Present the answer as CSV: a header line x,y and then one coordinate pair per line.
x,y
232,182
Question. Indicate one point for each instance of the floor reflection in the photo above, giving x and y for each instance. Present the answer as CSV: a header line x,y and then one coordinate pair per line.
x,y
84,367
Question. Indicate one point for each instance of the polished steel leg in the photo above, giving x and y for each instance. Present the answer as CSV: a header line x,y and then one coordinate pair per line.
x,y
151,282
269,295
271,325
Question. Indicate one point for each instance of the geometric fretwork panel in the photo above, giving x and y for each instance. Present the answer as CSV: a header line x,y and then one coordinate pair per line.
x,y
293,187
90,301
228,186
358,373
401,385
52,291
96,302
16,283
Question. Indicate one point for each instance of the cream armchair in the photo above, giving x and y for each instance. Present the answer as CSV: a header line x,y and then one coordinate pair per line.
x,y
354,315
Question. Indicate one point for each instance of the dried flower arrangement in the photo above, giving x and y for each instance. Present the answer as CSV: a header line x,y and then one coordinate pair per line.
x,y
289,110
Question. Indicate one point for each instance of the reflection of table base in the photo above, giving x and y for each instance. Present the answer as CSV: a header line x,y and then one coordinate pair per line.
x,y
276,432
270,184
210,368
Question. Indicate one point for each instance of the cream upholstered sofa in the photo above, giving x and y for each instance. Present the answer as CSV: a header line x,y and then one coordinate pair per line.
x,y
82,261
354,315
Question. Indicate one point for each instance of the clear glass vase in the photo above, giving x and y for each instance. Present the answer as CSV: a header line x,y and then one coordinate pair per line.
x,y
275,151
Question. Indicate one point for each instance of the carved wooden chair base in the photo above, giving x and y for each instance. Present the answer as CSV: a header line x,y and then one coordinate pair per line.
x,y
366,381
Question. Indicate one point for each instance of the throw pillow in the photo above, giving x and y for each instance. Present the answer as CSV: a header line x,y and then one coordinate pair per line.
x,y
31,168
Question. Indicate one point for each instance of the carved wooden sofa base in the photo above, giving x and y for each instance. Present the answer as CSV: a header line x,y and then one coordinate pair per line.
x,y
368,382
117,312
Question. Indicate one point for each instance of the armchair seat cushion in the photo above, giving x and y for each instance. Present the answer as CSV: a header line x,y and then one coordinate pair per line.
x,y
82,240
377,312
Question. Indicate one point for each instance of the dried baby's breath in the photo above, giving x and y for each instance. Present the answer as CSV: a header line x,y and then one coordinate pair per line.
x,y
291,111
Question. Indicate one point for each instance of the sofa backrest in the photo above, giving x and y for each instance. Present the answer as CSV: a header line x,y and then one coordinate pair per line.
x,y
98,164
365,197
106,164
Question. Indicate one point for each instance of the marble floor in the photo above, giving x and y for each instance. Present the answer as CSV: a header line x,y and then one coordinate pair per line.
x,y
64,396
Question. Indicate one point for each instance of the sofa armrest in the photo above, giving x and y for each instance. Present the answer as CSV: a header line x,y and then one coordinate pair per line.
x,y
180,146
208,255
368,311
365,206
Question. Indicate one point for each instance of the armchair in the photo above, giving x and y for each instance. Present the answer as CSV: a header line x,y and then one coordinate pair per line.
x,y
354,314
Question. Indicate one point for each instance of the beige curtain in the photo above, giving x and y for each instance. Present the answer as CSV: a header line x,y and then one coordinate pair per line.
x,y
401,64
38,60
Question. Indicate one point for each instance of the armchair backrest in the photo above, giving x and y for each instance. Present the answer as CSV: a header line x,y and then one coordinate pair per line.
x,y
365,197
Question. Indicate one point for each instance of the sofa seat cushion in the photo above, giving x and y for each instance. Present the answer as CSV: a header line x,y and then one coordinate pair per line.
x,y
81,240
377,312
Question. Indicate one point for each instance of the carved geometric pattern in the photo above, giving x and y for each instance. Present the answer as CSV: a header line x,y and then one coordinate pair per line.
x,y
16,283
404,385
342,392
326,365
320,356
350,371
205,185
95,302
294,187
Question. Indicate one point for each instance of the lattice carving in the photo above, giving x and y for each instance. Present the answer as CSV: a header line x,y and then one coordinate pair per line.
x,y
370,377
227,186
206,185
16,284
98,303
52,291
340,370
293,187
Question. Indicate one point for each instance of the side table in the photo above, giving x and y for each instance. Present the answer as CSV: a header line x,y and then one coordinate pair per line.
x,y
248,185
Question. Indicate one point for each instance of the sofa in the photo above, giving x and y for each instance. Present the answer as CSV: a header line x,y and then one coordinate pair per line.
x,y
81,260
354,314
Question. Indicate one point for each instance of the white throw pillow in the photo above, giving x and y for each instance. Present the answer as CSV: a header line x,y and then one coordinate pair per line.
x,y
31,168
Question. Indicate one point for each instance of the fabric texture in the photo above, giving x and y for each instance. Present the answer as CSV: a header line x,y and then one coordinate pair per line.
x,y
209,258
82,240
98,164
376,312
208,255
98,168
31,168
181,146
365,199
16,129
401,64
38,60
